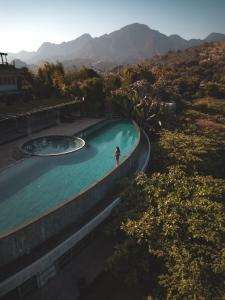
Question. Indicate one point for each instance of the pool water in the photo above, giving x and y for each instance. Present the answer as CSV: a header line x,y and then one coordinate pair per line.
x,y
52,145
32,187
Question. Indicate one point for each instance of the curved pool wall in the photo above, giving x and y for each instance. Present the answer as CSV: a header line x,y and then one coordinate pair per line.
x,y
39,269
22,240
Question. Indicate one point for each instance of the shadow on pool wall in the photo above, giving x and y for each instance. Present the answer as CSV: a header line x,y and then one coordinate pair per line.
x,y
22,240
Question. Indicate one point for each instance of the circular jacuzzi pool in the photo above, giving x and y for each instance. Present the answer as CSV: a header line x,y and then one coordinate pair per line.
x,y
52,145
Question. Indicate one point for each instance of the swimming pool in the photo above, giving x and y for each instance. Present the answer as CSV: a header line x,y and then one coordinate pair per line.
x,y
38,185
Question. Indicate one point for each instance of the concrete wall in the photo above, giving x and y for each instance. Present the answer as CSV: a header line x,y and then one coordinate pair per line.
x,y
22,241
8,87
50,260
41,271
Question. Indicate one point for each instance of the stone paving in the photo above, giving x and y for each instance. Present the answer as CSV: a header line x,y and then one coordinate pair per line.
x,y
6,150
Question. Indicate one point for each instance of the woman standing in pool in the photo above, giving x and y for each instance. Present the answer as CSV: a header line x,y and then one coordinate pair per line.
x,y
117,156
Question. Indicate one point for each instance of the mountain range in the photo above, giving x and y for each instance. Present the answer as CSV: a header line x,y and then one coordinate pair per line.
x,y
130,44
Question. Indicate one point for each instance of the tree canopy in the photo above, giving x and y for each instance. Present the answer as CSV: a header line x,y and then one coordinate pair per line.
x,y
177,220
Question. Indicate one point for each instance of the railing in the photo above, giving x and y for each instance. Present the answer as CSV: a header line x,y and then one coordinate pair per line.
x,y
17,126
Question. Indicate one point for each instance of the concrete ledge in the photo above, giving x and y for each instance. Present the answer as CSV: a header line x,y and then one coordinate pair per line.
x,y
48,261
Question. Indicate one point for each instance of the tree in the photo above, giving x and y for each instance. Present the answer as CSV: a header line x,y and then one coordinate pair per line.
x,y
177,221
58,77
146,74
92,90
129,76
187,86
86,73
215,90
119,104
51,79
194,152
111,83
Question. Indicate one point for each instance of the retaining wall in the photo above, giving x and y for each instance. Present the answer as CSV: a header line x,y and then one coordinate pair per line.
x,y
39,272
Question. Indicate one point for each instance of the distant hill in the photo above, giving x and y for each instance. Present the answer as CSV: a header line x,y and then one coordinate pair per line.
x,y
22,55
207,56
19,63
129,44
215,37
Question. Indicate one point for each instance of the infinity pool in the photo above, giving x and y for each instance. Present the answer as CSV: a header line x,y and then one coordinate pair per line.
x,y
34,186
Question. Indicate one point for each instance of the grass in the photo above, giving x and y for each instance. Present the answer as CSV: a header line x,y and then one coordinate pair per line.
x,y
210,105
204,123
206,113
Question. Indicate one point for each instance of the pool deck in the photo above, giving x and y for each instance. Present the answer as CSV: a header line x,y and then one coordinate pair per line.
x,y
6,150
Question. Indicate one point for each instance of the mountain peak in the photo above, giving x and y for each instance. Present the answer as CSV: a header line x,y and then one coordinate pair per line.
x,y
85,36
45,45
215,37
135,26
175,36
129,44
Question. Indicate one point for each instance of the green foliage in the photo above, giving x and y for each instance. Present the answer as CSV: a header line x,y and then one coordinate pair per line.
x,y
179,221
184,149
51,80
92,90
187,86
215,90
132,74
129,76
177,76
86,73
120,104
194,152
170,224
111,83
146,74
210,105
132,259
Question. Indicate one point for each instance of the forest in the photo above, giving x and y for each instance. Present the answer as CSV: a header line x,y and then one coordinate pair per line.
x,y
169,228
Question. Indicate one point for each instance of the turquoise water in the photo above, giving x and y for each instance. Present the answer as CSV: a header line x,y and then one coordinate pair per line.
x,y
36,185
52,145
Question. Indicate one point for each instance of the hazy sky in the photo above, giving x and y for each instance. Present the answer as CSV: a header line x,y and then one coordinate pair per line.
x,y
26,24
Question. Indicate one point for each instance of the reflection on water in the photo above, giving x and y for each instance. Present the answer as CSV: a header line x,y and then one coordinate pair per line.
x,y
50,145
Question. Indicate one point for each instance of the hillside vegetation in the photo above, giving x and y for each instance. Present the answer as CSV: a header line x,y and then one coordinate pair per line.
x,y
170,223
